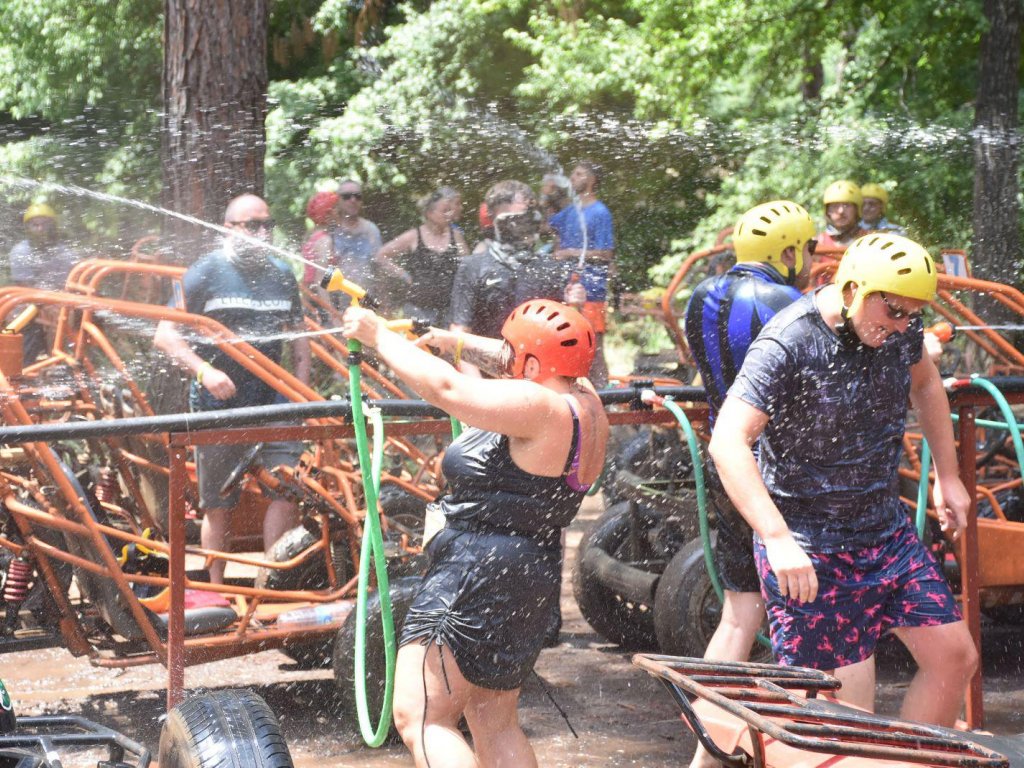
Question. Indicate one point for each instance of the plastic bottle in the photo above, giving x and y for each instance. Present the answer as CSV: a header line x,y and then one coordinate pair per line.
x,y
325,613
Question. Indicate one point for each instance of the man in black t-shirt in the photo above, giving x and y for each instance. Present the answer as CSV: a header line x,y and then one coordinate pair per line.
x,y
504,272
256,296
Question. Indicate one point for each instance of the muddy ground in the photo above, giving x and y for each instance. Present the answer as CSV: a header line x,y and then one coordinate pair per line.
x,y
622,716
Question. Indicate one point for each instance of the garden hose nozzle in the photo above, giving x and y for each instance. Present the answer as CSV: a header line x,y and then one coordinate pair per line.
x,y
410,326
334,282
943,331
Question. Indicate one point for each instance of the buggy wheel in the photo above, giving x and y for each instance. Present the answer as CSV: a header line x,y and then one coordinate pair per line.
x,y
402,592
310,574
686,608
616,619
223,728
651,454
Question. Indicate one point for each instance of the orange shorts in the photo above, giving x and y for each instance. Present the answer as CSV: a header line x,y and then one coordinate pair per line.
x,y
594,311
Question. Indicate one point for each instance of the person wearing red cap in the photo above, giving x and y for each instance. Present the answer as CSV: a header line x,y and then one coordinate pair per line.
x,y
318,247
534,443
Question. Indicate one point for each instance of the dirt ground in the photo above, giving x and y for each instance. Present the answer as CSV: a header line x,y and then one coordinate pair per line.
x,y
623,716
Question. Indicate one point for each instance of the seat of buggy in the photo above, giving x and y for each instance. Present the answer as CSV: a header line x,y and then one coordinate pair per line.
x,y
112,603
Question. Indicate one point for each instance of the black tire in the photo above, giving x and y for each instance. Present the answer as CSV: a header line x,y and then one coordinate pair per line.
x,y
310,574
404,511
402,592
686,608
223,729
618,621
652,454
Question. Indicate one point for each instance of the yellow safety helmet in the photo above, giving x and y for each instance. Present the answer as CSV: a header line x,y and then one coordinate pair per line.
x,y
876,191
765,231
39,210
888,263
843,191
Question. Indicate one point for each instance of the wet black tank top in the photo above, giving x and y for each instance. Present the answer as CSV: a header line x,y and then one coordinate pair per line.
x,y
489,493
432,273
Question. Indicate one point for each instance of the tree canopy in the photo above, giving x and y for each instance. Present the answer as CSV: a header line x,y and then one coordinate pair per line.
x,y
697,109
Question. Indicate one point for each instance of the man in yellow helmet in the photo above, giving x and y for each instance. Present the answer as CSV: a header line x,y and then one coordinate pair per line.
x,y
843,201
774,243
42,260
823,393
873,210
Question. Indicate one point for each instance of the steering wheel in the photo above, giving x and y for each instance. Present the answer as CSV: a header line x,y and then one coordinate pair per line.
x,y
234,478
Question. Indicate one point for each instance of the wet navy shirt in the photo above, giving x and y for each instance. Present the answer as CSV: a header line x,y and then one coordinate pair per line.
x,y
253,303
723,318
830,452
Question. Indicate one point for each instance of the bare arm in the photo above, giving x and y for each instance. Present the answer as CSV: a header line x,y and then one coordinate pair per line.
x,y
737,428
515,408
478,352
928,397
170,342
391,250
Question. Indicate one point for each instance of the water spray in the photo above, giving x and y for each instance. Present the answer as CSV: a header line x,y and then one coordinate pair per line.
x,y
946,331
73,189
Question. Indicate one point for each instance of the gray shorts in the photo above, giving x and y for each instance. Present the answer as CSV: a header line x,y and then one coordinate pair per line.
x,y
215,462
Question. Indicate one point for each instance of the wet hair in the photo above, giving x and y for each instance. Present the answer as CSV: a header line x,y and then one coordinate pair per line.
x,y
506,192
560,180
596,170
427,202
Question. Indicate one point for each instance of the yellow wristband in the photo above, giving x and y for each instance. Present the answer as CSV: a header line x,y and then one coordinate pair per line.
x,y
202,369
458,350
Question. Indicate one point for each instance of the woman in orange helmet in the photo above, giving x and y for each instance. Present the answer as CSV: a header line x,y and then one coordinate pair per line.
x,y
516,477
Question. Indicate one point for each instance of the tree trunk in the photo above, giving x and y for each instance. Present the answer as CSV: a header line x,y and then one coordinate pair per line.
x,y
997,244
215,104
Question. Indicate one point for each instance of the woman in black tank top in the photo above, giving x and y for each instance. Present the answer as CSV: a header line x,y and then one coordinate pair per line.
x,y
424,259
535,440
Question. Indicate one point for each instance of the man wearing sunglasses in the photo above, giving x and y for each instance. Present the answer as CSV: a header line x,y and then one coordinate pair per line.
x,y
823,392
356,240
245,288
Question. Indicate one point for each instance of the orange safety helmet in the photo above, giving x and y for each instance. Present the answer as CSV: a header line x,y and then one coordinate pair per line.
x,y
484,214
320,205
558,336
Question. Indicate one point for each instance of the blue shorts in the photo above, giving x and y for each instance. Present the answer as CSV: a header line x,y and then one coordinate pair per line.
x,y
862,594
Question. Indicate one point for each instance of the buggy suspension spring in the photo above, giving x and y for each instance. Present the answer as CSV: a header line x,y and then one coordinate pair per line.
x,y
106,486
19,575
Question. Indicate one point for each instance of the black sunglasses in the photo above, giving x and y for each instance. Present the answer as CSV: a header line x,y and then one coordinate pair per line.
x,y
253,226
812,245
897,313
351,195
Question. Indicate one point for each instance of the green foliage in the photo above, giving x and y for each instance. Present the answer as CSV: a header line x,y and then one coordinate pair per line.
x,y
697,109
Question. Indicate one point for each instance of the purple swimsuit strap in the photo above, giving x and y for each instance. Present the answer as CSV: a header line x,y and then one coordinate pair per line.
x,y
572,478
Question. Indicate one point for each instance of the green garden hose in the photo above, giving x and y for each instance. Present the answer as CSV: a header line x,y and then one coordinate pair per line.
x,y
372,548
922,489
702,503
1007,412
